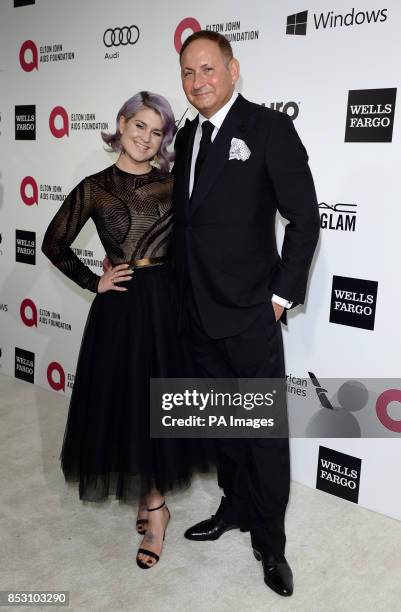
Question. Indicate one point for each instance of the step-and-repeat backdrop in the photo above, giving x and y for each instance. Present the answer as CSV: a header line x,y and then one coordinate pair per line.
x,y
334,67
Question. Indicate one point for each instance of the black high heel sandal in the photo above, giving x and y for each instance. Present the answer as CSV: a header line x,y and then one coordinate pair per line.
x,y
150,553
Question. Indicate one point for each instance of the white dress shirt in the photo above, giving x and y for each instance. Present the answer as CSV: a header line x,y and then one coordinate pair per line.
x,y
217,120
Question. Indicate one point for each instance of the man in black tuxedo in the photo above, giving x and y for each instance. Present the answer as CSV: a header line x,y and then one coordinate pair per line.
x,y
236,164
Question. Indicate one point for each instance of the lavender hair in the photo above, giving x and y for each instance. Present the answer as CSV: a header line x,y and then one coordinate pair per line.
x,y
141,100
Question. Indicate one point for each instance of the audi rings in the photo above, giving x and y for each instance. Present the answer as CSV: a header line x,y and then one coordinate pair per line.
x,y
116,37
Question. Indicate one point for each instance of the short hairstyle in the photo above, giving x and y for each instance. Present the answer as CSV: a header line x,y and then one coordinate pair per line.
x,y
141,100
224,44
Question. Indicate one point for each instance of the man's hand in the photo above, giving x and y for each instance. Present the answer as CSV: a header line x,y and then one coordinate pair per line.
x,y
119,273
278,310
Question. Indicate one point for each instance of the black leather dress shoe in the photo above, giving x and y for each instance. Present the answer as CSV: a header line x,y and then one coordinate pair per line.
x,y
211,529
277,573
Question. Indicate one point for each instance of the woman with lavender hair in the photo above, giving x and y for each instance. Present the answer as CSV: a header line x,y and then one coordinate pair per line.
x,y
130,335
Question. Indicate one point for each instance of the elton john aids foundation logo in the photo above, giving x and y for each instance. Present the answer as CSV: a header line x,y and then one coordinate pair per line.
x,y
57,378
353,302
58,122
29,313
28,56
29,191
370,115
185,28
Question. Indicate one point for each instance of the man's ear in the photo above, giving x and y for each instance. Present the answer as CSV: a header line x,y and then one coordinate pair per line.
x,y
234,69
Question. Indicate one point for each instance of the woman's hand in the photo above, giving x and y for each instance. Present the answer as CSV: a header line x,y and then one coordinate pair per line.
x,y
118,274
106,265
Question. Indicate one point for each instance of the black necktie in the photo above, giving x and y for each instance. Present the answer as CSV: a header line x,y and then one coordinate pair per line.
x,y
207,131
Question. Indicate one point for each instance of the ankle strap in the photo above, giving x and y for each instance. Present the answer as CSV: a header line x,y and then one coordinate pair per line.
x,y
158,507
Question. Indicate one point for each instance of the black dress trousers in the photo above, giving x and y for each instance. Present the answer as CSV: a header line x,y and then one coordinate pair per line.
x,y
254,473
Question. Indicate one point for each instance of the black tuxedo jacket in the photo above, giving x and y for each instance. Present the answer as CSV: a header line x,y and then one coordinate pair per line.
x,y
224,235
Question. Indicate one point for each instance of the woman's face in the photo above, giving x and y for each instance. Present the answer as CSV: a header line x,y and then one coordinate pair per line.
x,y
141,135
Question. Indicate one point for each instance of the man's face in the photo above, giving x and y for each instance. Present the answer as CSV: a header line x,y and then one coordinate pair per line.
x,y
207,78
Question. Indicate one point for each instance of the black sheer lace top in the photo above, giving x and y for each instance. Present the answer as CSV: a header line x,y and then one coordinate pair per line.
x,y
132,214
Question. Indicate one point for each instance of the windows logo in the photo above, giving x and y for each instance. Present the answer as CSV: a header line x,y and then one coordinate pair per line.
x,y
296,24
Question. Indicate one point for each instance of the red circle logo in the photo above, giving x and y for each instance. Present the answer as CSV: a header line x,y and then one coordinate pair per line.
x,y
29,313
56,383
32,198
30,63
189,23
59,112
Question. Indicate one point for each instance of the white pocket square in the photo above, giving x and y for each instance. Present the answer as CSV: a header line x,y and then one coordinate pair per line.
x,y
239,150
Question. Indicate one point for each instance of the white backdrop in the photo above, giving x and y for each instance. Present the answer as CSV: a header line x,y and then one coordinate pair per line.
x,y
311,74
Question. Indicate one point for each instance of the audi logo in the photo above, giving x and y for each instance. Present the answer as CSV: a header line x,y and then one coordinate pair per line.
x,y
127,35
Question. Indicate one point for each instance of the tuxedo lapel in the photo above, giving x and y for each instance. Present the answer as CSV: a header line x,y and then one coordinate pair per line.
x,y
234,126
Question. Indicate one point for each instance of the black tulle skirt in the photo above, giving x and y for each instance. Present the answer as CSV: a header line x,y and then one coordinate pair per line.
x,y
129,337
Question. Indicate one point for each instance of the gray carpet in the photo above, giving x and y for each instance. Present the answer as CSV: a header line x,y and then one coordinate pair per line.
x,y
343,557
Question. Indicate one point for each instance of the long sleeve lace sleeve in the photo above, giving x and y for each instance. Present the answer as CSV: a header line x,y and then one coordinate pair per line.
x,y
62,231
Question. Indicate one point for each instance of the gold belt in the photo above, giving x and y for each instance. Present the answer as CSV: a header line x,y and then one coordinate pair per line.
x,y
147,261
